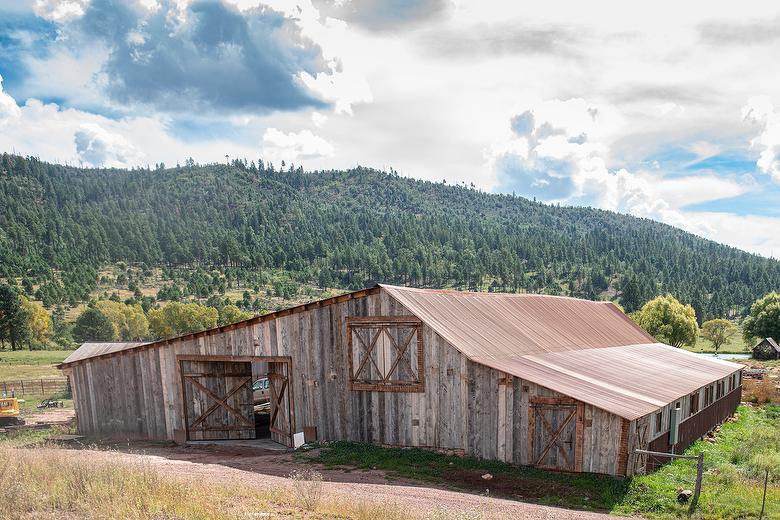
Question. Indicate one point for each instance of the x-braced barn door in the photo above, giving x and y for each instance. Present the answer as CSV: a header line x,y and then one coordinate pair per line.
x,y
218,400
553,435
281,402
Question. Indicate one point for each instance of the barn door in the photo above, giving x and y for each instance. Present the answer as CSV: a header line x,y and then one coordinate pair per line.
x,y
554,436
217,400
281,423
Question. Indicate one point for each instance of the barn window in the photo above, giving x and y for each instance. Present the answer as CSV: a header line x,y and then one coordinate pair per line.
x,y
694,403
386,353
659,422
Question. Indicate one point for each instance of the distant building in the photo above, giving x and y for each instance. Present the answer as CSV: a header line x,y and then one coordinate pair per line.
x,y
767,349
546,381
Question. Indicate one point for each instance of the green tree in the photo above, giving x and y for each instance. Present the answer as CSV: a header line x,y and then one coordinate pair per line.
x,y
764,319
630,293
93,325
14,322
669,321
176,319
39,322
718,332
232,314
129,321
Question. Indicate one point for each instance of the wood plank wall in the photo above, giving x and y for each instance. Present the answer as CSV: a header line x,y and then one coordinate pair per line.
x,y
466,407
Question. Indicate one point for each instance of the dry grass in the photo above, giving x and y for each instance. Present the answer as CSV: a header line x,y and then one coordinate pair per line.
x,y
760,391
52,483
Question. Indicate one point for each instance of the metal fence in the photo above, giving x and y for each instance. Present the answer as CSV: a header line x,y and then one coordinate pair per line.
x,y
45,387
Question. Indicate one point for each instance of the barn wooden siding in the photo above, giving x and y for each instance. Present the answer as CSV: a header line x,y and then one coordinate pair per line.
x,y
137,393
466,407
498,422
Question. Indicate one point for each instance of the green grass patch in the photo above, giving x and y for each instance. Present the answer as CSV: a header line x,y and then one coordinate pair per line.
x,y
583,491
732,484
26,364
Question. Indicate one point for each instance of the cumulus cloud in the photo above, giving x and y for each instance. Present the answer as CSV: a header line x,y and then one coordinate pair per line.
x,y
96,146
760,111
293,147
559,151
60,10
8,108
205,56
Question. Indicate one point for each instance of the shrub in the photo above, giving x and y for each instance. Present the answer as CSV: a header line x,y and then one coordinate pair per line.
x,y
307,486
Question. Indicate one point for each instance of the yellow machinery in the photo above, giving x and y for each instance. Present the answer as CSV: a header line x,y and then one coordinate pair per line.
x,y
9,412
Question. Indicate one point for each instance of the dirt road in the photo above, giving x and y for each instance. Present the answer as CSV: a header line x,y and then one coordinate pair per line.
x,y
267,470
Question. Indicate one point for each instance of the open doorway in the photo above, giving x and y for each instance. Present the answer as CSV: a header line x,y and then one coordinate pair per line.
x,y
237,398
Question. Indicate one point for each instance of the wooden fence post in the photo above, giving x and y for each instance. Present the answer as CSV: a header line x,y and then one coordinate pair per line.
x,y
697,489
763,501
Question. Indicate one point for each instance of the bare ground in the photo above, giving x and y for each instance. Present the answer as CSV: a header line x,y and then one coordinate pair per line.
x,y
265,469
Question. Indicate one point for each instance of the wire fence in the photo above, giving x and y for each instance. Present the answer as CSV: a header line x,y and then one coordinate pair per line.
x,y
26,387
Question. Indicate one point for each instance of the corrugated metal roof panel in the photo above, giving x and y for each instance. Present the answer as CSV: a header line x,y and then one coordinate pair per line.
x,y
501,325
88,350
588,350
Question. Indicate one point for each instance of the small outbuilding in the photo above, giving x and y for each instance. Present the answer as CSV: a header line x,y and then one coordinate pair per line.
x,y
545,381
766,349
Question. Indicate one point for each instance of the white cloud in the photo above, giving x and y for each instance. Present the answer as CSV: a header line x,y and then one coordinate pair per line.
x,y
60,10
561,150
293,147
96,146
318,119
759,110
8,108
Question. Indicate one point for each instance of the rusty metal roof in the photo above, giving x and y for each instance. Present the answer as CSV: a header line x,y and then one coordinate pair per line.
x,y
588,350
89,350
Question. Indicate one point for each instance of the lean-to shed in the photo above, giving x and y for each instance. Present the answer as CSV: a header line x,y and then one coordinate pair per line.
x,y
547,381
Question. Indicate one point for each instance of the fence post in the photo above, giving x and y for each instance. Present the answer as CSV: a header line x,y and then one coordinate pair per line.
x,y
22,381
42,390
697,489
763,501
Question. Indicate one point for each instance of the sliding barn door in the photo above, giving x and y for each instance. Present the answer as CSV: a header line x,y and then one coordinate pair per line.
x,y
281,402
218,400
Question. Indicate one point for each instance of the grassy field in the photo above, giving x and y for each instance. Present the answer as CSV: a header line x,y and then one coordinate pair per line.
x,y
43,481
732,485
735,345
25,364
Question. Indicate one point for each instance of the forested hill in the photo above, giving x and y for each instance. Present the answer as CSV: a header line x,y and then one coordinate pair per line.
x,y
352,228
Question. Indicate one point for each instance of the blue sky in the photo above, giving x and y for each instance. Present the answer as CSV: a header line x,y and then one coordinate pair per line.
x,y
621,107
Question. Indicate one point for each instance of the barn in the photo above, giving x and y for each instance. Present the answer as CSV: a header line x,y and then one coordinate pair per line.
x,y
545,381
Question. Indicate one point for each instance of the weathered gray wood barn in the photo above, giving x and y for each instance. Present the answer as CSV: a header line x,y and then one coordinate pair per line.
x,y
547,381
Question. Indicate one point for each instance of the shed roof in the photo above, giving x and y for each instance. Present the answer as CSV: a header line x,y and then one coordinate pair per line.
x,y
88,350
771,342
588,350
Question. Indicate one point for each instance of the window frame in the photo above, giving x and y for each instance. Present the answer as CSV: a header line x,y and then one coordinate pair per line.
x,y
694,403
387,385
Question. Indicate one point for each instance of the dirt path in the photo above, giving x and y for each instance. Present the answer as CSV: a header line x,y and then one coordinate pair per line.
x,y
267,470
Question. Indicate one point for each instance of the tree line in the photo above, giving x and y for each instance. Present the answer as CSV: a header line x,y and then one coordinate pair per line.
x,y
347,229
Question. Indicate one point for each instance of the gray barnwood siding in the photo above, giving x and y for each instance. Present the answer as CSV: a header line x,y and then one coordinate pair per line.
x,y
466,407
